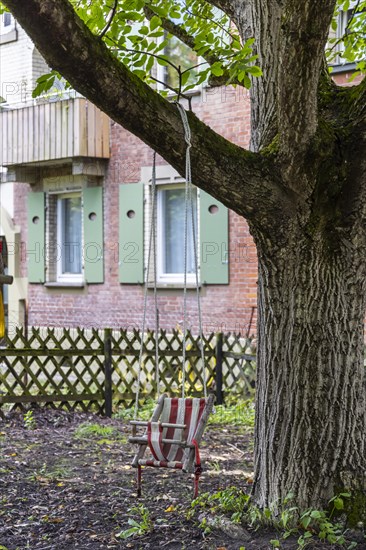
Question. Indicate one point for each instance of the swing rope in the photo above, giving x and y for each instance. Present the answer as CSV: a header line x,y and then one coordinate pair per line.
x,y
189,210
152,245
189,203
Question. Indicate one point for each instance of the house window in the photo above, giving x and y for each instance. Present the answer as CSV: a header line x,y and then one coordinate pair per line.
x,y
171,226
69,237
344,20
210,228
7,19
64,238
181,56
7,23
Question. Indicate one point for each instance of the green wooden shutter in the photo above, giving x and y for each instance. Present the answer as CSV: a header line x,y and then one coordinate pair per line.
x,y
36,238
214,241
131,233
93,244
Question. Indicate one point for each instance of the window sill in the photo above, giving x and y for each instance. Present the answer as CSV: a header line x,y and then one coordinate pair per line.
x,y
189,286
342,68
62,284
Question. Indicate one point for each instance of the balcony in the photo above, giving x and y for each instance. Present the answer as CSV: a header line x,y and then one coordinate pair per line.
x,y
52,133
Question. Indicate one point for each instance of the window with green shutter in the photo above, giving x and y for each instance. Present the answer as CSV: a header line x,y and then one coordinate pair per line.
x,y
211,227
68,243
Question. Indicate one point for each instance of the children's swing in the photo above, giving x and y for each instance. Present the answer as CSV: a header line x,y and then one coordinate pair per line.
x,y
173,435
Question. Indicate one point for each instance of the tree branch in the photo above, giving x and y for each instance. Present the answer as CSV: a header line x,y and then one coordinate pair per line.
x,y
304,33
110,21
244,181
227,6
358,105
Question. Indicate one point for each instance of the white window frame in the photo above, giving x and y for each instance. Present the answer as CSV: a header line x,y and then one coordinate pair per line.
x,y
168,178
162,275
60,276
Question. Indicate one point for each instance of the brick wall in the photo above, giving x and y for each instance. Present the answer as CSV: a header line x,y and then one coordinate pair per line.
x,y
224,307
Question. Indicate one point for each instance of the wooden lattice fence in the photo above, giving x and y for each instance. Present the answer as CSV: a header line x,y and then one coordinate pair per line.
x,y
91,369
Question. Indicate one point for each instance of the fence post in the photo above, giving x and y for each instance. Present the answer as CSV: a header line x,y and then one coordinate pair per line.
x,y
218,370
108,371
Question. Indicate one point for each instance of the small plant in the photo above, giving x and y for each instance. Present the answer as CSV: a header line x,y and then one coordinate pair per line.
x,y
231,501
140,526
289,521
215,466
37,474
29,420
312,524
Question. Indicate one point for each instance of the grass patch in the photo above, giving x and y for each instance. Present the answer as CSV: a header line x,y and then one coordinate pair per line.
x,y
87,430
241,413
144,413
234,413
51,473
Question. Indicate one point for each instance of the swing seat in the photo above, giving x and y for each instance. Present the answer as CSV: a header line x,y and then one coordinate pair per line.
x,y
172,444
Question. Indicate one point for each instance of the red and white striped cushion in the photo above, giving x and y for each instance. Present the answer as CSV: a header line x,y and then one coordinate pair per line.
x,y
175,411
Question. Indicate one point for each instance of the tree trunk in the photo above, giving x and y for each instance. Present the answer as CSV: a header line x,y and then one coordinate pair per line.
x,y
310,425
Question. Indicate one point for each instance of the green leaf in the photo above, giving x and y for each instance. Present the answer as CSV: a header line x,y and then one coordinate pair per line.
x,y
255,71
338,503
246,81
305,522
217,69
155,22
185,77
43,84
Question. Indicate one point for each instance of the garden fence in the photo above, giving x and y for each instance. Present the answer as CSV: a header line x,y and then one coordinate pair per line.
x,y
89,369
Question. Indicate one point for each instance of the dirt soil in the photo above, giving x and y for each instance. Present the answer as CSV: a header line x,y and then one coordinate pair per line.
x,y
60,489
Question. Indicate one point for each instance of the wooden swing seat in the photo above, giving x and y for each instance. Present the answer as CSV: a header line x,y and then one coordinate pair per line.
x,y
172,444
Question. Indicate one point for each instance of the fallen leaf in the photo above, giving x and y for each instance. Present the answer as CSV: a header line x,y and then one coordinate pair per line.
x,y
170,508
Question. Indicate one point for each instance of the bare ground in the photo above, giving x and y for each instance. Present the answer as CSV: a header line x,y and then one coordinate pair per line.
x,y
60,491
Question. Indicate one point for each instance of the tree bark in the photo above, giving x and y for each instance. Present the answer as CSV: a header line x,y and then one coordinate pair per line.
x,y
310,406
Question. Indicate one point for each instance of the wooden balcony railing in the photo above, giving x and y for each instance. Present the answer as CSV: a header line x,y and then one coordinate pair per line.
x,y
53,131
